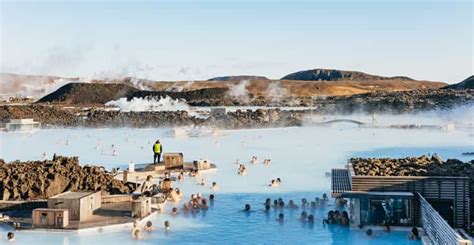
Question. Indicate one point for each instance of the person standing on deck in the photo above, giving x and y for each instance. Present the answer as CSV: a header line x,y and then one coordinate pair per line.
x,y
157,150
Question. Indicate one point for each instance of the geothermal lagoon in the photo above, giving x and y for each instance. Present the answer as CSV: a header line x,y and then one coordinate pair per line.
x,y
300,156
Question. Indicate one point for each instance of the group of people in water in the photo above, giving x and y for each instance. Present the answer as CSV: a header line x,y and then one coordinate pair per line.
x,y
196,204
413,235
337,217
279,204
253,161
137,231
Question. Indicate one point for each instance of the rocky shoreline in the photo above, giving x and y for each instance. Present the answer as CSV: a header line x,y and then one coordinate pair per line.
x,y
412,166
51,116
34,180
60,115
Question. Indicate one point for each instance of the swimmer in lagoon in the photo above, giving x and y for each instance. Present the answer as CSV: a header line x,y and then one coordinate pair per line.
x,y
247,208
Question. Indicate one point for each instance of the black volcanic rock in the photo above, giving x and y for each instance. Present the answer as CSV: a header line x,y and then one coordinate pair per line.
x,y
467,83
238,78
335,75
88,93
42,179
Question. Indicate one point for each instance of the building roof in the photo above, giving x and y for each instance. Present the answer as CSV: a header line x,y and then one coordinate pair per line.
x,y
383,194
72,195
340,181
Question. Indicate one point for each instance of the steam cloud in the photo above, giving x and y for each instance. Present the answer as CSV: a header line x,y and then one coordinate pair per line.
x,y
152,104
239,91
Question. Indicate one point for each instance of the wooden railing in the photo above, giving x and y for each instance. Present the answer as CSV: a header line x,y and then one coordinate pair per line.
x,y
436,228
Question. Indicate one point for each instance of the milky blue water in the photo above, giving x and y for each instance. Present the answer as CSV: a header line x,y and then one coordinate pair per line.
x,y
301,157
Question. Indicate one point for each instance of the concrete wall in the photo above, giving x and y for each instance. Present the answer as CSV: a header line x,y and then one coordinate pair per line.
x,y
80,208
72,205
89,204
52,216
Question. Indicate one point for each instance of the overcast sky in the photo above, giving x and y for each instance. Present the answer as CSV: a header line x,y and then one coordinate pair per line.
x,y
431,40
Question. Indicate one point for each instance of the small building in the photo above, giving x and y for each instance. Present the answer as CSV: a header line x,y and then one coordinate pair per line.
x,y
81,205
27,124
141,207
374,197
173,160
50,218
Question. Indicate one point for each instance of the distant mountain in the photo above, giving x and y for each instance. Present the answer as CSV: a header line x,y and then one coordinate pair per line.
x,y
238,78
335,75
467,83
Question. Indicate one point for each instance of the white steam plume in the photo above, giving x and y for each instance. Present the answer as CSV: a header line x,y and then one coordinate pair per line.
x,y
240,92
152,104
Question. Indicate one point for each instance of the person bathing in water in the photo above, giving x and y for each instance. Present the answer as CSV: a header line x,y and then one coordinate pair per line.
x,y
254,160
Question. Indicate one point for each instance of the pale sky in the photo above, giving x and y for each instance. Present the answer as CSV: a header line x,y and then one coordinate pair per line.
x,y
178,40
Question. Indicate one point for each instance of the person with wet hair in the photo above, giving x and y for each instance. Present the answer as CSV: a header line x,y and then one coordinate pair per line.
x,y
313,205
11,236
167,225
204,204
267,208
311,219
211,198
303,216
325,198
318,201
304,203
148,226
273,183
336,215
292,205
247,208
281,203
330,218
276,204
281,217
344,219
214,186
174,211
369,232
268,201
414,234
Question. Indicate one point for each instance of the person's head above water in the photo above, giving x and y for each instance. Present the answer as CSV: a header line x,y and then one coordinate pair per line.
x,y
167,224
247,207
267,207
281,216
211,197
149,224
369,232
304,214
10,236
311,218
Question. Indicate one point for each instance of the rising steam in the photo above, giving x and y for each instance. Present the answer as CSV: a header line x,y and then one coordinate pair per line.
x,y
239,92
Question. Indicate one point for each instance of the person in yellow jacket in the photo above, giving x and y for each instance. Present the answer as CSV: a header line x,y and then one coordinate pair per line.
x,y
157,150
